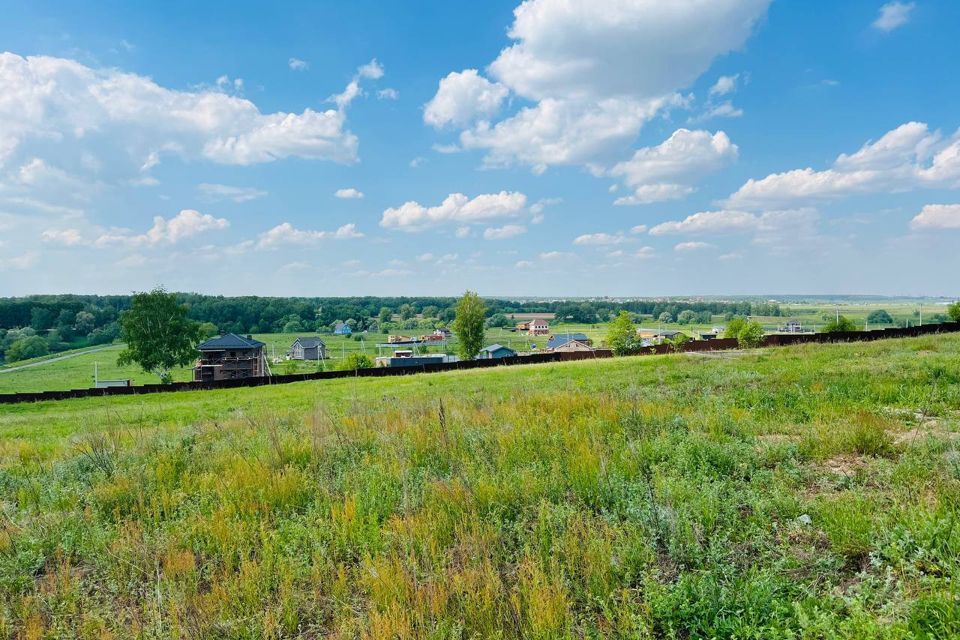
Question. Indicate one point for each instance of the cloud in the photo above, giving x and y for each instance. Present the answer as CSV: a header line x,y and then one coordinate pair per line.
x,y
286,234
417,162
893,15
296,64
462,98
21,262
724,85
638,229
600,239
64,237
412,216
723,110
905,158
348,194
590,73
523,264
216,192
665,172
48,99
372,70
182,226
691,246
388,94
937,216
780,231
709,222
645,253
504,232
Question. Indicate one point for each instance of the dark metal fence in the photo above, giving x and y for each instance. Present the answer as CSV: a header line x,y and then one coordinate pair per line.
x,y
692,346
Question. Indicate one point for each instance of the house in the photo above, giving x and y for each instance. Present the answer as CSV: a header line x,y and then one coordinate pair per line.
x,y
406,358
399,339
496,351
666,334
443,332
570,342
342,329
792,326
523,327
307,348
704,335
538,327
230,357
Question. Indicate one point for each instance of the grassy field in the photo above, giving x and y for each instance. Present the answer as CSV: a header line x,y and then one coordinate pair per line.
x,y
804,492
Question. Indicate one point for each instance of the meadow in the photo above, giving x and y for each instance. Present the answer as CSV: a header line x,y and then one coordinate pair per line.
x,y
801,492
77,372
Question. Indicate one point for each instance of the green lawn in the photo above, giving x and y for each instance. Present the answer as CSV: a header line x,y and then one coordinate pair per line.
x,y
802,492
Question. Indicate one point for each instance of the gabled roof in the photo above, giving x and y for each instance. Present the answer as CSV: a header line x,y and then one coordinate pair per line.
x,y
309,342
229,341
561,339
493,348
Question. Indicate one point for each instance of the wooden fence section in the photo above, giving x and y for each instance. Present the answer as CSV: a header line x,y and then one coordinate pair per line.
x,y
693,346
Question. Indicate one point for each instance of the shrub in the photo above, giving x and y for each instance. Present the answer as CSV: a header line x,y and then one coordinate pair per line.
x,y
839,325
356,361
954,311
750,335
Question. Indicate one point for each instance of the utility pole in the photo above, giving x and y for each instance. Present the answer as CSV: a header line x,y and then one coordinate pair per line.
x,y
921,314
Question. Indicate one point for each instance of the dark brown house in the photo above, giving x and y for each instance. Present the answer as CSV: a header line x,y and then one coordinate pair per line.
x,y
229,357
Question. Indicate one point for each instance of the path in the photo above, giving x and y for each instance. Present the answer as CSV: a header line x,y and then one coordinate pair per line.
x,y
57,359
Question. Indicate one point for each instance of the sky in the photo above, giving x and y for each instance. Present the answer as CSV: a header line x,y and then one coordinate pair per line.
x,y
544,148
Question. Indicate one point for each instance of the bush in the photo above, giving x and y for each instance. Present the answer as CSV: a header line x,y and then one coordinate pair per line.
x,y
879,316
839,325
622,335
25,348
734,326
356,361
954,311
750,335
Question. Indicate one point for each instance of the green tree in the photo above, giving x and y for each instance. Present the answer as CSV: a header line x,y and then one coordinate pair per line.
x,y
468,325
678,341
356,361
385,315
29,347
839,324
686,317
158,334
665,317
734,326
750,335
954,311
879,316
208,330
498,320
622,335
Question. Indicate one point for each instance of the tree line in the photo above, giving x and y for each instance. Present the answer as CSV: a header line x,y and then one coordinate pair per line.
x,y
33,326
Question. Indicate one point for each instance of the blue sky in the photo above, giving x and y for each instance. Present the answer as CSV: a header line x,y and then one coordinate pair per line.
x,y
552,148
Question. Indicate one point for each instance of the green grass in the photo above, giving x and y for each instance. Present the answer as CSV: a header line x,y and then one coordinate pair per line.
x,y
803,492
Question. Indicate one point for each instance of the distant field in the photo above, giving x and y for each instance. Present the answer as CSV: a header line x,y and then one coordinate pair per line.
x,y
78,372
802,492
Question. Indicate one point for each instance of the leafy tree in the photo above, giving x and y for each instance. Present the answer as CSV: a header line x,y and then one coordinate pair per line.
x,y
879,316
665,317
954,311
622,335
385,315
30,347
356,361
406,311
84,322
430,311
839,324
686,317
678,341
498,320
734,326
42,318
468,325
158,334
750,335
208,330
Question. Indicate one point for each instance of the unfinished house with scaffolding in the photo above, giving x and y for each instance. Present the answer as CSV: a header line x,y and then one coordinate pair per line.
x,y
230,357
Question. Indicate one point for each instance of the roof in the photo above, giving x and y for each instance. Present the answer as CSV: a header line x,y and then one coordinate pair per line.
x,y
493,348
667,333
229,341
561,339
309,342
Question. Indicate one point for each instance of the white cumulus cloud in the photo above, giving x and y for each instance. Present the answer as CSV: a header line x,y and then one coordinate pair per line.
x,y
504,232
665,172
348,194
286,234
215,192
937,216
905,158
463,97
412,216
182,226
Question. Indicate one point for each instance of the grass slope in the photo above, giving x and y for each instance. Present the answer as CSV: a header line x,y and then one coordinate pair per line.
x,y
807,492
